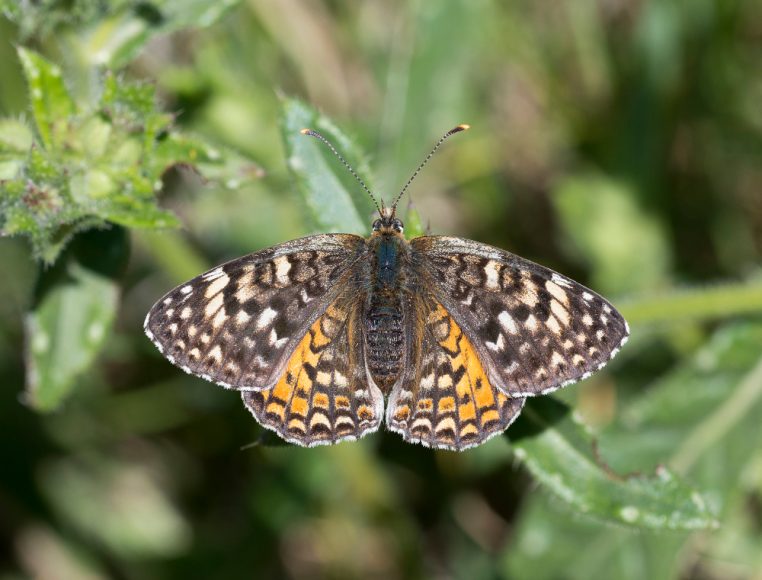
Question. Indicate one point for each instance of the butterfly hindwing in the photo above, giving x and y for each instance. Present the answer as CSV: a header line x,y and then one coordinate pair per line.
x,y
237,324
534,329
324,395
445,398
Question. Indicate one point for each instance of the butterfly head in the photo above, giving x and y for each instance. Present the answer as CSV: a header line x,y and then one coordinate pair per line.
x,y
388,223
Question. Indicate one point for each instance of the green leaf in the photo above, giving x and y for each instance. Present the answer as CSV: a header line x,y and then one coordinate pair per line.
x,y
219,165
73,314
51,103
15,141
334,201
109,168
553,544
119,38
700,413
559,452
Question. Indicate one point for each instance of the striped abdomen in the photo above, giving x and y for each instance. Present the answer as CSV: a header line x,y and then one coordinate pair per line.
x,y
384,328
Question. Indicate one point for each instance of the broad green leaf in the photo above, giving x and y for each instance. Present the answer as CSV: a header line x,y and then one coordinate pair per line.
x,y
700,412
333,204
702,420
73,314
601,217
559,452
52,105
554,543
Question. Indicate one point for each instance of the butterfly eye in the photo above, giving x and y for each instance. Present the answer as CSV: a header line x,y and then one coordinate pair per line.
x,y
397,225
376,225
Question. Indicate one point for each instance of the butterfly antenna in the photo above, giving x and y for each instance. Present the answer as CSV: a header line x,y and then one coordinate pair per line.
x,y
452,131
317,135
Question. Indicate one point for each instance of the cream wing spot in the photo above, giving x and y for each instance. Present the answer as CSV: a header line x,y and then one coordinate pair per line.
x,y
561,313
532,323
213,306
557,292
552,324
507,322
557,359
245,291
492,273
217,285
498,345
213,274
320,419
242,317
219,318
323,378
215,353
282,268
266,317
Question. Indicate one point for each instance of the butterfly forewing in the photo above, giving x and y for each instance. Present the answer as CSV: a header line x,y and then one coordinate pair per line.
x,y
535,330
238,324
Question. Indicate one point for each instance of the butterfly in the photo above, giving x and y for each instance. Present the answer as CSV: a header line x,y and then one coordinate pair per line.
x,y
331,335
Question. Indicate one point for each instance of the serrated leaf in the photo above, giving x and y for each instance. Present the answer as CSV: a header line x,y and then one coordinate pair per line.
x,y
73,314
110,167
51,103
558,451
331,205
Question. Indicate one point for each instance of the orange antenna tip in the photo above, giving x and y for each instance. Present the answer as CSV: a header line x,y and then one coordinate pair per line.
x,y
306,131
464,127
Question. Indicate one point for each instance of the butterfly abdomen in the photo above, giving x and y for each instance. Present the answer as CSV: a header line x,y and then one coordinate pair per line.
x,y
384,328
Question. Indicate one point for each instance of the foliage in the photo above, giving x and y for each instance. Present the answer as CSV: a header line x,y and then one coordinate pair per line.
x,y
618,144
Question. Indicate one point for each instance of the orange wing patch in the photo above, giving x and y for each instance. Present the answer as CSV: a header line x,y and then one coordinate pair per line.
x,y
448,401
321,398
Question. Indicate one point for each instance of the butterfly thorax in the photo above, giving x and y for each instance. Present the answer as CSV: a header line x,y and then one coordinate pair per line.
x,y
383,315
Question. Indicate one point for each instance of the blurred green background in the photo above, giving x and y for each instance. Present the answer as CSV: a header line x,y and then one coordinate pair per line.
x,y
617,141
